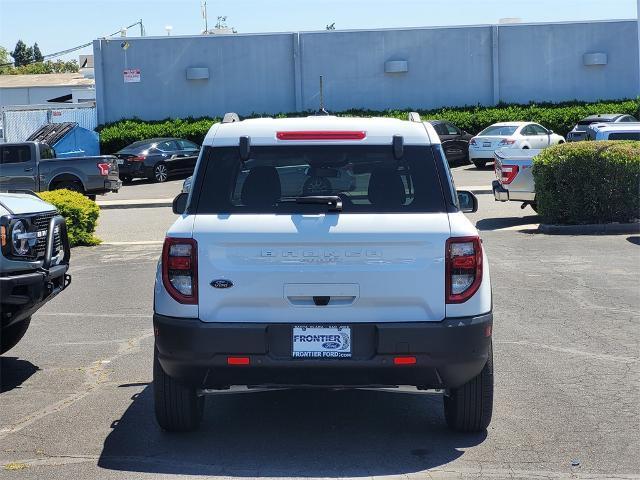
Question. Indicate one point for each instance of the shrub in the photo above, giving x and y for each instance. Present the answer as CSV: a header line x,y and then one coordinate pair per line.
x,y
80,213
560,117
588,182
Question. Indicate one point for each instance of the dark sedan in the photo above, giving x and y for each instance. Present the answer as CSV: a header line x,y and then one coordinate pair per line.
x,y
157,159
455,141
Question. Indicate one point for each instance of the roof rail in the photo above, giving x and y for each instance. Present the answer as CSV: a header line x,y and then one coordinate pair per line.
x,y
230,117
414,117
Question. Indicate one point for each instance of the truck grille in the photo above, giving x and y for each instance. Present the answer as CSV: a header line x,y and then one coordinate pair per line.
x,y
39,223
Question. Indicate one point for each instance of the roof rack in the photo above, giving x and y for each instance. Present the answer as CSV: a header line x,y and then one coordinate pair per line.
x,y
230,117
414,117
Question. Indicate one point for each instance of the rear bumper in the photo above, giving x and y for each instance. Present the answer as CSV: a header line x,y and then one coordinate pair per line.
x,y
500,193
448,354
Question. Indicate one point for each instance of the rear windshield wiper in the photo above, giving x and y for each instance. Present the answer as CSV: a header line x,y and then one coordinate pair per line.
x,y
334,202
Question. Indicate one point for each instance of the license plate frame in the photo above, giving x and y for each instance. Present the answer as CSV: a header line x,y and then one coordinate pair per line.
x,y
317,342
486,144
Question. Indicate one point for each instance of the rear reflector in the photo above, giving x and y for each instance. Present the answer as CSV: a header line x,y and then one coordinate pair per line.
x,y
321,135
404,360
238,361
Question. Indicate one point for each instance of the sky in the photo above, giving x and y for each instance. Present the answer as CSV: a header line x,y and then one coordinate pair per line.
x,y
61,24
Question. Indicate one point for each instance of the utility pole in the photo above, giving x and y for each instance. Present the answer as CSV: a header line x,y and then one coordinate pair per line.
x,y
203,8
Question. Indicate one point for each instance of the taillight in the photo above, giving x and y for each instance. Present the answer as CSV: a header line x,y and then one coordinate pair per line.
x,y
180,269
508,173
473,142
137,158
104,169
507,141
463,268
321,135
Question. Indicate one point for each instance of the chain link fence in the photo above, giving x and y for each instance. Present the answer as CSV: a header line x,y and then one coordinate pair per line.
x,y
20,121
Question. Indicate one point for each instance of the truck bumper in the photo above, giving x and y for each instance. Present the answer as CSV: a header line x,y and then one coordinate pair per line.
x,y
21,295
500,193
447,354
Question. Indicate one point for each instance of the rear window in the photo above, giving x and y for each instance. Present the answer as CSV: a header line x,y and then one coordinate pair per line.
x,y
367,179
504,130
625,136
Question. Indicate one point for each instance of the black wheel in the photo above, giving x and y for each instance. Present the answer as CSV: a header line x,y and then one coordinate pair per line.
x,y
178,407
160,173
126,179
316,186
12,335
69,185
480,164
468,408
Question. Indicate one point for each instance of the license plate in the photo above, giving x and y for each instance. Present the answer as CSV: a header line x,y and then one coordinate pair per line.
x,y
486,144
321,342
120,161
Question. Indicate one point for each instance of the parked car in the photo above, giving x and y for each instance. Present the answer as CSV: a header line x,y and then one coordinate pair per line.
x,y
519,135
613,131
455,141
157,159
579,132
384,285
514,177
34,259
34,166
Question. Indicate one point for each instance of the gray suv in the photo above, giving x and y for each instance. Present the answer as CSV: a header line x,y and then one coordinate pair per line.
x,y
34,260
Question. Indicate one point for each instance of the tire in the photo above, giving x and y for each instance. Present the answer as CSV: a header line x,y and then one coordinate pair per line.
x,y
69,185
316,186
480,164
160,173
126,179
469,408
13,334
178,407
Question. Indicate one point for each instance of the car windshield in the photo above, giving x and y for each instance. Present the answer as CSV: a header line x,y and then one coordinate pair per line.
x,y
498,130
280,179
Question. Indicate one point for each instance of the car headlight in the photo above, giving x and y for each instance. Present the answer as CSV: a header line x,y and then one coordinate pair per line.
x,y
21,241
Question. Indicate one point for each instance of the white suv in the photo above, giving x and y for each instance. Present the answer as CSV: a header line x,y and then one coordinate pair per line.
x,y
378,282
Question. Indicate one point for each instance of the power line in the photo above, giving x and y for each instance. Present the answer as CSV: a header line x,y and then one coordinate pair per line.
x,y
80,47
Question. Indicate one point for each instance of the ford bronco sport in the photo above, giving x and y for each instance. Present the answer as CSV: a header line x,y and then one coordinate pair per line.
x,y
382,283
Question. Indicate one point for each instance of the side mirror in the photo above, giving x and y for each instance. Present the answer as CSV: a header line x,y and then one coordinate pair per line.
x,y
180,203
468,201
551,132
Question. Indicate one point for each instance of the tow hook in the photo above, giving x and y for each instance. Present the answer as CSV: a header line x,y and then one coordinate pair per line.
x,y
524,205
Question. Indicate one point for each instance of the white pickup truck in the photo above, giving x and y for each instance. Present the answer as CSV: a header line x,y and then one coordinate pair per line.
x,y
515,178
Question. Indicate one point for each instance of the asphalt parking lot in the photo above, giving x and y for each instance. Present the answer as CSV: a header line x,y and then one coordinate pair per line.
x,y
77,399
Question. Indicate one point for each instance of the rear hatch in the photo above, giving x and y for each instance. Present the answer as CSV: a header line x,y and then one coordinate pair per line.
x,y
378,258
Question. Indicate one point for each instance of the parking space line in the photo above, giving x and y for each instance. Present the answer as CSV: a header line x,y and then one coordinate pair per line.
x,y
141,242
573,351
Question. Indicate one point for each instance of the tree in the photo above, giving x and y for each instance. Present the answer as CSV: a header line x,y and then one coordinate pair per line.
x,y
5,61
21,54
37,54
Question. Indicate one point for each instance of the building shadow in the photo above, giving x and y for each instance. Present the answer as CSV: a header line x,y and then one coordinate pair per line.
x,y
14,372
302,433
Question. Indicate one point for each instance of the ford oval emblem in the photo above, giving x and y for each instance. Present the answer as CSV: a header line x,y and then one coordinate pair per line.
x,y
221,283
331,345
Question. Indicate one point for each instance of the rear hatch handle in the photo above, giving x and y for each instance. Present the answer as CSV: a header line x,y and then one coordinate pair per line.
x,y
332,201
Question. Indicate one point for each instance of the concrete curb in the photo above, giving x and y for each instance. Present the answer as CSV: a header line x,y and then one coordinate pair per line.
x,y
167,202
591,229
135,203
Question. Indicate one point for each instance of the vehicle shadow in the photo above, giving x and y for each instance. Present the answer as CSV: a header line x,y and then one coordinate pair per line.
x,y
634,239
14,372
302,433
508,222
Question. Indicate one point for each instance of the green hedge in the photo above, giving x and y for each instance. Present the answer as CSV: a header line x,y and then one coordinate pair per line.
x,y
559,117
80,213
588,182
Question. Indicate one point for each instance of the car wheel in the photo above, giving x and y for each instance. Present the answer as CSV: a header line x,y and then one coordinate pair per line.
x,y
126,179
12,335
469,408
69,185
316,186
178,408
480,164
160,173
